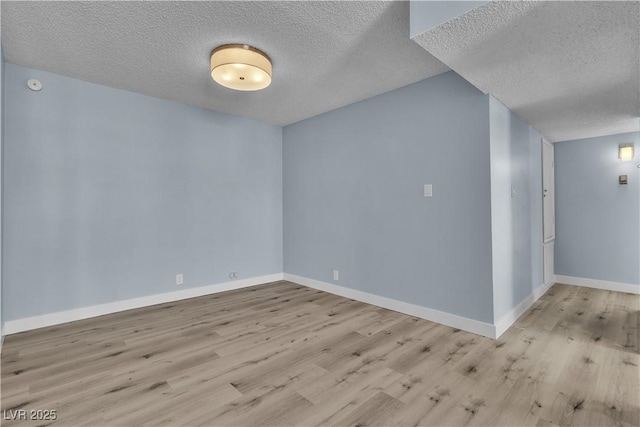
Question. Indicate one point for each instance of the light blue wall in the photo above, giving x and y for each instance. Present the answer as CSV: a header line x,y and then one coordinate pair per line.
x,y
1,185
109,194
597,220
353,196
501,216
426,14
516,209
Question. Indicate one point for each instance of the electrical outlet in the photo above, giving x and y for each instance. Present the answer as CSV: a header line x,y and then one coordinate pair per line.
x,y
233,275
179,279
336,275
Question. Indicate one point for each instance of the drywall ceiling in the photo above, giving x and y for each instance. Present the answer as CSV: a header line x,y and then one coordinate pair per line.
x,y
325,54
570,69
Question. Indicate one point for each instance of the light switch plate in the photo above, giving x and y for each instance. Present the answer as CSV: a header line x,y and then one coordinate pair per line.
x,y
428,190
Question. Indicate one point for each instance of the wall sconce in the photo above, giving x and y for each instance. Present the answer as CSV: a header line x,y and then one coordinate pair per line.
x,y
625,152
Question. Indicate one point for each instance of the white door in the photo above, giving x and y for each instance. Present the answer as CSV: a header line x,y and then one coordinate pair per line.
x,y
548,192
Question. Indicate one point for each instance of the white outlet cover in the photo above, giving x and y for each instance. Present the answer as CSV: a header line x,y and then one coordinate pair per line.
x,y
428,190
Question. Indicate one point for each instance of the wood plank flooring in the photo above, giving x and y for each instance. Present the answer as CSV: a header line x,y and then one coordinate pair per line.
x,y
285,355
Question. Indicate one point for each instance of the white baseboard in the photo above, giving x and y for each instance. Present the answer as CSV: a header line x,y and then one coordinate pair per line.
x,y
541,290
599,284
35,322
455,321
510,318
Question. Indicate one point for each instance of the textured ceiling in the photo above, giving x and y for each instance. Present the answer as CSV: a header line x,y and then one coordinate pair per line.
x,y
325,54
571,69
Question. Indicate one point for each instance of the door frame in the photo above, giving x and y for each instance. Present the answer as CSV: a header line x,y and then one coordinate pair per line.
x,y
550,194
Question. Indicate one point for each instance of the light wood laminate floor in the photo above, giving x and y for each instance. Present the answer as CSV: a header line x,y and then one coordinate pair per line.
x,y
282,354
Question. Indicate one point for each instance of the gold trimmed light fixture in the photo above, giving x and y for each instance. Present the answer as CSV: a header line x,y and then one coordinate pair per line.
x,y
240,67
625,152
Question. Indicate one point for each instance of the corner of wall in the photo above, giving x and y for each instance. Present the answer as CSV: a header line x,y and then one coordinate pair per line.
x,y
516,207
500,166
384,214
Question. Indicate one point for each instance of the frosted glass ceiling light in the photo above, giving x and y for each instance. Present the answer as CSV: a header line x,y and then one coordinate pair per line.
x,y
625,152
240,67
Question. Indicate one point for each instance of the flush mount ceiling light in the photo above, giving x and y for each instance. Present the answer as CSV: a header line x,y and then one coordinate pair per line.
x,y
240,67
625,152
